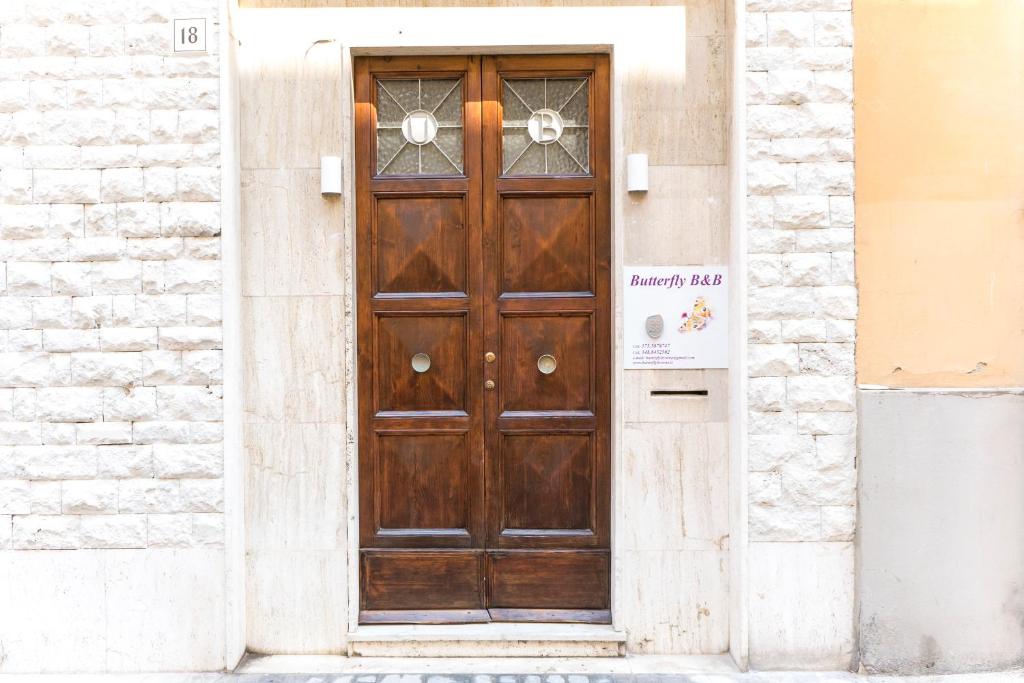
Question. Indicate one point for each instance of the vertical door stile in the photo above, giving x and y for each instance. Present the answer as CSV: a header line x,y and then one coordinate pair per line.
x,y
491,132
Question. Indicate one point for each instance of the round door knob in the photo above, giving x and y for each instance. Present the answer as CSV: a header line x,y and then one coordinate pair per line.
x,y
489,356
420,362
489,385
547,364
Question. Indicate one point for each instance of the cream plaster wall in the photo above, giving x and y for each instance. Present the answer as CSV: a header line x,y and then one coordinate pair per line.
x,y
672,525
940,193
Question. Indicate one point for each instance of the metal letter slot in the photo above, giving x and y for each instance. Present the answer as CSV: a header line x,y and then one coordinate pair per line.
x,y
547,364
421,362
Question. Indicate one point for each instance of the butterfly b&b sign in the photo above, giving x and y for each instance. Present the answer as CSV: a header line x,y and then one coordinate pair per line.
x,y
676,317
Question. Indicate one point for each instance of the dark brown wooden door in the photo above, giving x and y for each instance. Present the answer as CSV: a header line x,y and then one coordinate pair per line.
x,y
483,338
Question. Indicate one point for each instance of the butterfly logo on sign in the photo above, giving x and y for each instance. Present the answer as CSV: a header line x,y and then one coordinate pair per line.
x,y
698,320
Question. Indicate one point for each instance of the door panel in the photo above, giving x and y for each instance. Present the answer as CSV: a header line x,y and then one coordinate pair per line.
x,y
422,362
421,244
423,483
546,244
483,315
560,342
422,580
552,579
537,468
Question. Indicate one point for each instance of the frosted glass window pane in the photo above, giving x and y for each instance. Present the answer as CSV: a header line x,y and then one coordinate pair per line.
x,y
515,141
389,142
404,93
433,161
575,141
389,112
434,92
406,162
514,109
531,162
449,111
419,127
449,142
560,162
545,126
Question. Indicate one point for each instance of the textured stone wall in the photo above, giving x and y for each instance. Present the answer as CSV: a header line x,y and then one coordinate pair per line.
x,y
803,301
802,304
110,285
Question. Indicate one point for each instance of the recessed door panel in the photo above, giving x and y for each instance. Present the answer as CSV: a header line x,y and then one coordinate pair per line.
x,y
423,483
554,579
421,245
547,481
547,362
546,244
422,363
422,580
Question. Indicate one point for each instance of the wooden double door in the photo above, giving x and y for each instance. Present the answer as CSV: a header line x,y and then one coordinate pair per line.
x,y
483,338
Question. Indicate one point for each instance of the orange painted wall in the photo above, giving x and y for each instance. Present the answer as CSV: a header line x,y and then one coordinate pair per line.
x,y
939,91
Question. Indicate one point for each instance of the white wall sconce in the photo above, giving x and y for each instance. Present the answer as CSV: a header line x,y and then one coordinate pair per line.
x,y
330,175
636,172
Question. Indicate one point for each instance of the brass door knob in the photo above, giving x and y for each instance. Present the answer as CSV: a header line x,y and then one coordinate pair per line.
x,y
489,385
489,356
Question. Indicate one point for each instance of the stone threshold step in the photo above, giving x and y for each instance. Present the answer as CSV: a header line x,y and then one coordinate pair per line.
x,y
487,669
487,640
491,631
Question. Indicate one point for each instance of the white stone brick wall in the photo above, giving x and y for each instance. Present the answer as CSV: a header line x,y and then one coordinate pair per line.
x,y
802,296
110,281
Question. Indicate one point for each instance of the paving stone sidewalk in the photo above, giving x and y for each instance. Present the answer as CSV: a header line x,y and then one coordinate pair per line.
x,y
751,677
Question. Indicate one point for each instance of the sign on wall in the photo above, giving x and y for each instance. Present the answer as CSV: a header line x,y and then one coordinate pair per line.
x,y
676,317
190,35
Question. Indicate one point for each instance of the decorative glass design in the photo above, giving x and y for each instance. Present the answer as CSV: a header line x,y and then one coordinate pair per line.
x,y
546,126
419,126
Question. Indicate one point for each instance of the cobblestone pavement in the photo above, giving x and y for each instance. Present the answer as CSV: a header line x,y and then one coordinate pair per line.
x,y
752,677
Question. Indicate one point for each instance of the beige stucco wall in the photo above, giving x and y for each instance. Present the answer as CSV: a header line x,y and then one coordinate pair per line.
x,y
940,192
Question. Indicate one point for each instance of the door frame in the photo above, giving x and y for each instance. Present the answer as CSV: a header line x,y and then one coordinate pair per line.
x,y
544,30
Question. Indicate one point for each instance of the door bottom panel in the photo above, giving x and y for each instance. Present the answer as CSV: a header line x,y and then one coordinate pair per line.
x,y
548,580
471,586
422,580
